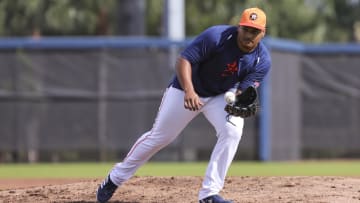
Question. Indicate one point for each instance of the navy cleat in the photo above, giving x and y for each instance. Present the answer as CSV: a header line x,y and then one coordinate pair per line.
x,y
105,190
214,199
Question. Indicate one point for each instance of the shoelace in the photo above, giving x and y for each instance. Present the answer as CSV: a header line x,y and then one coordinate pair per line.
x,y
206,201
106,181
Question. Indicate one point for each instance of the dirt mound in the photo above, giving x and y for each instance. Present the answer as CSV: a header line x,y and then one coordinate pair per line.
x,y
185,189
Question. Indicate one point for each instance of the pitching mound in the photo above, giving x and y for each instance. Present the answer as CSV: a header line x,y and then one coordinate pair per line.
x,y
184,190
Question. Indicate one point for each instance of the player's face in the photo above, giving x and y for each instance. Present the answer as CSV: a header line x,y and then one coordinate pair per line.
x,y
248,38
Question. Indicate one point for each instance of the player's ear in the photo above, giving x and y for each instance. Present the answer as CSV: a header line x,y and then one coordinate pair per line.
x,y
263,33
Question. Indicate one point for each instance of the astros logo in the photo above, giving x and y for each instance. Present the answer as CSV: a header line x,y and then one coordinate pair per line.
x,y
231,69
253,16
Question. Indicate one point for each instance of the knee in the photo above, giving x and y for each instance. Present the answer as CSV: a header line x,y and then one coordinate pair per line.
x,y
232,132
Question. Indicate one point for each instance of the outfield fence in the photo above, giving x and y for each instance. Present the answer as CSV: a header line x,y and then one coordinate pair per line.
x,y
90,98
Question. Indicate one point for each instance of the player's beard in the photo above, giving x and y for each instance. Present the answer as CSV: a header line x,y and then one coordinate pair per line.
x,y
246,45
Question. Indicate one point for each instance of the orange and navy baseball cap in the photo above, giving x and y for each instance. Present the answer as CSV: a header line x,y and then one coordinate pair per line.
x,y
253,17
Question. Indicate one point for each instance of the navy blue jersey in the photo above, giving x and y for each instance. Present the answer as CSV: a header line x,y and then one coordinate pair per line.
x,y
218,64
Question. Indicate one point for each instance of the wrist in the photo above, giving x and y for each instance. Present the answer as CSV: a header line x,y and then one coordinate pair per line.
x,y
188,89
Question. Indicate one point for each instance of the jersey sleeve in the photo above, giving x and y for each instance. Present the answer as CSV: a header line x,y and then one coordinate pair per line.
x,y
201,48
257,74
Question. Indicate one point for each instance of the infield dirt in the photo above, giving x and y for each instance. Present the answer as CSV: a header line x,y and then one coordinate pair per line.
x,y
185,189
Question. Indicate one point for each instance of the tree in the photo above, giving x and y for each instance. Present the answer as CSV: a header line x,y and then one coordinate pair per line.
x,y
65,17
304,20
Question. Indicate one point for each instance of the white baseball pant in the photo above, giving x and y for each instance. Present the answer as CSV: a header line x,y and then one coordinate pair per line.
x,y
171,119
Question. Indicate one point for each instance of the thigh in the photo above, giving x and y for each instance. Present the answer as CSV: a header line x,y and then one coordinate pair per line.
x,y
172,116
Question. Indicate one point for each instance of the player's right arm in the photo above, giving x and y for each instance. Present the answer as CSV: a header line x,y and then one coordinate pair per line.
x,y
199,50
183,70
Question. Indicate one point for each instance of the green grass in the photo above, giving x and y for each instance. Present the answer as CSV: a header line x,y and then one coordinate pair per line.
x,y
95,170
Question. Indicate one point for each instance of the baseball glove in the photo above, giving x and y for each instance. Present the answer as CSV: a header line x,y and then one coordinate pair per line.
x,y
245,104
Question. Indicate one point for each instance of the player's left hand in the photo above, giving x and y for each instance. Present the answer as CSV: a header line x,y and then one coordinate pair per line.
x,y
245,104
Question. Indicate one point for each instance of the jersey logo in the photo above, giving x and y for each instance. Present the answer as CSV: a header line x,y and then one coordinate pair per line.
x,y
231,69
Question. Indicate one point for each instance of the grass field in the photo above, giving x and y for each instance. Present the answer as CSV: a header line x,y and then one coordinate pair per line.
x,y
95,170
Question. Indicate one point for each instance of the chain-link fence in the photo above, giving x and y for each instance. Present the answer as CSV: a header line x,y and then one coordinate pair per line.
x,y
68,99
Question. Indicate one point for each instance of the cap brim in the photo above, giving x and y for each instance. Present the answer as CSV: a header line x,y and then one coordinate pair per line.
x,y
252,25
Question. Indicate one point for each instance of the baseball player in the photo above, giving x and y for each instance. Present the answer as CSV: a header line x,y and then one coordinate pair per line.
x,y
220,59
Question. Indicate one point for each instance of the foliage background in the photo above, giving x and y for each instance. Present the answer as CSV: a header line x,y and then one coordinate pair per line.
x,y
304,20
